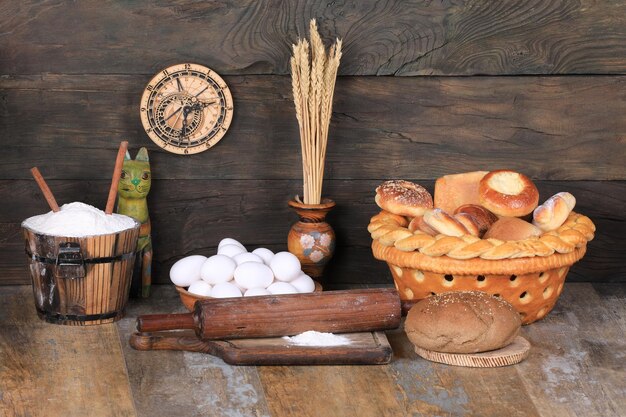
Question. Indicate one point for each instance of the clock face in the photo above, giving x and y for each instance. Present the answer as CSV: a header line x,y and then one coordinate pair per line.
x,y
186,108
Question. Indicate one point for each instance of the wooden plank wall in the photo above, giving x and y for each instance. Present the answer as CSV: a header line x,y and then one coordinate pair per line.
x,y
426,89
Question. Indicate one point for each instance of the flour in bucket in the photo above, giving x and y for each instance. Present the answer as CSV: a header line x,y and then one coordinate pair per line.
x,y
78,220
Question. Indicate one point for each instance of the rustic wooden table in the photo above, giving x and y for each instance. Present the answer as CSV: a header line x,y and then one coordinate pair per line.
x,y
576,368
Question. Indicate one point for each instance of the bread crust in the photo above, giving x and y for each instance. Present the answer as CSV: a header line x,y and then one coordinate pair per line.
x,y
418,223
444,223
508,193
512,228
482,218
403,198
462,322
553,213
455,190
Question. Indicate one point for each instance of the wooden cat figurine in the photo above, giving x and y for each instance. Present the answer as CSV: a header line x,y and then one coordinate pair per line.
x,y
132,191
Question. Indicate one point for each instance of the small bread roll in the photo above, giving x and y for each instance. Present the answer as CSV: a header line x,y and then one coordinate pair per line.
x,y
512,228
444,223
403,198
553,213
469,223
508,193
452,191
480,216
418,223
462,322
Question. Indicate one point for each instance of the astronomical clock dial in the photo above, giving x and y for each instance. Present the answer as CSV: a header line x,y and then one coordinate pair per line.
x,y
186,108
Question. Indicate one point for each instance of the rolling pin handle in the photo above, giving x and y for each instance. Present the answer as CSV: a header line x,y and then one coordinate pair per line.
x,y
159,322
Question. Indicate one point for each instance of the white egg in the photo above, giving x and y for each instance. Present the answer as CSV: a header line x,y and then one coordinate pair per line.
x,y
187,270
282,288
253,275
256,291
229,241
303,283
225,290
231,250
218,268
286,266
247,257
265,254
200,288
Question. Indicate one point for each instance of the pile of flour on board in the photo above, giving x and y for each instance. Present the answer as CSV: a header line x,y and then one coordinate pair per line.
x,y
77,220
313,338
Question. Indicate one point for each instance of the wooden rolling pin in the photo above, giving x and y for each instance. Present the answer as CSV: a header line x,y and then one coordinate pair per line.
x,y
284,315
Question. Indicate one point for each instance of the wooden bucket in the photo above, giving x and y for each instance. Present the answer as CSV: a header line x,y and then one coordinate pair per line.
x,y
81,281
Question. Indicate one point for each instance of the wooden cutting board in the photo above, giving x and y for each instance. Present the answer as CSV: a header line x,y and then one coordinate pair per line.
x,y
366,348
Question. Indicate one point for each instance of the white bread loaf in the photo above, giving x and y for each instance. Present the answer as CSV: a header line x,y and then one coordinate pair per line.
x,y
453,191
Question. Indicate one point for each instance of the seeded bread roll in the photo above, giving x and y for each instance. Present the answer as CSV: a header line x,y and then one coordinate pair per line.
x,y
403,198
508,193
512,228
462,322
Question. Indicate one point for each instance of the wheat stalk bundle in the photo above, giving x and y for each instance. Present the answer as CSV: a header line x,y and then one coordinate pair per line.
x,y
313,76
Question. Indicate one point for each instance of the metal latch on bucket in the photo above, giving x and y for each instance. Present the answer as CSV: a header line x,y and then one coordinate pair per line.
x,y
69,264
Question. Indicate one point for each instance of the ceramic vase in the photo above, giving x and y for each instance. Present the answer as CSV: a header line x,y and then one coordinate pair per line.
x,y
311,239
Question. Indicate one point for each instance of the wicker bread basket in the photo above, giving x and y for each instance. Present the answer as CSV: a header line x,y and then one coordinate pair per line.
x,y
529,273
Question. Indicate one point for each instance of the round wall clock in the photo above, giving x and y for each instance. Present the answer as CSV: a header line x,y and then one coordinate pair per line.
x,y
186,108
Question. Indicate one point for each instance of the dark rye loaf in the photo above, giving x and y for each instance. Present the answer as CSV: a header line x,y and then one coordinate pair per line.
x,y
462,322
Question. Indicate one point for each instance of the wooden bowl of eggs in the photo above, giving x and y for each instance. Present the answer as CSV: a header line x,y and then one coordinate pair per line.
x,y
235,272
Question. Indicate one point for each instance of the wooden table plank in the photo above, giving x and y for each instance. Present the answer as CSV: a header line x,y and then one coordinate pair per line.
x,y
337,391
429,388
186,384
577,366
53,370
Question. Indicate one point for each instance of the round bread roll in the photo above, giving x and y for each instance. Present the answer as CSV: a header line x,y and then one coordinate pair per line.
x,y
444,223
403,198
462,322
512,228
553,213
508,193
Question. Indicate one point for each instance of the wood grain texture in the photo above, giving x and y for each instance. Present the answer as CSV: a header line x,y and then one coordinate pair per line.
x,y
189,384
364,348
431,389
301,391
557,128
380,37
578,367
52,370
191,217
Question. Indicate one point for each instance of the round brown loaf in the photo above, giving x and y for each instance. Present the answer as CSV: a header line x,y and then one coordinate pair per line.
x,y
403,198
462,322
512,228
508,193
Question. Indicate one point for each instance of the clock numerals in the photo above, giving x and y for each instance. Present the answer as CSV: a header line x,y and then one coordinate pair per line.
x,y
186,108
